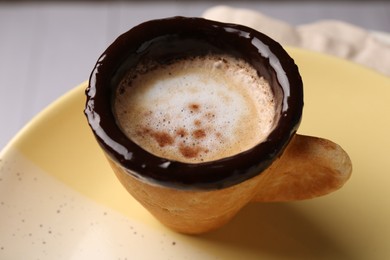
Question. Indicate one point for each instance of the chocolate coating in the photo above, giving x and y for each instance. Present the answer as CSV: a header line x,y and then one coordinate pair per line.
x,y
169,39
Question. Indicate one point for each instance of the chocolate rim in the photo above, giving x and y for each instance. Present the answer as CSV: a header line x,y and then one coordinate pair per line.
x,y
261,51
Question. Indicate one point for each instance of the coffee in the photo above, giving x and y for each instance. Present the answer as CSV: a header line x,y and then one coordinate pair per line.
x,y
161,45
196,109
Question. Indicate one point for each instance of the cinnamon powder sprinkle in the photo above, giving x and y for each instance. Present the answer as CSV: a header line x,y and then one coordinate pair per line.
x,y
189,152
199,133
162,138
194,107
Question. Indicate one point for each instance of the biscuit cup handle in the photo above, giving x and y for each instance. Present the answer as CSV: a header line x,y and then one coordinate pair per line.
x,y
309,167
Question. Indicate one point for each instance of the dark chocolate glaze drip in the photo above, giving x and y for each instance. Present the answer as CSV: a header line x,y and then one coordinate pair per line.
x,y
174,38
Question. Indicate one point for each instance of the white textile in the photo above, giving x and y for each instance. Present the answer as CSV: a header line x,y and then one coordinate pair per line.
x,y
329,36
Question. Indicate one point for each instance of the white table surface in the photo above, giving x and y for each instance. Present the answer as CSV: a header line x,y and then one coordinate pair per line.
x,y
47,48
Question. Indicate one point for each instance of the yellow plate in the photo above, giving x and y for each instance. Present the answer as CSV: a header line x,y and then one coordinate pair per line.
x,y
60,200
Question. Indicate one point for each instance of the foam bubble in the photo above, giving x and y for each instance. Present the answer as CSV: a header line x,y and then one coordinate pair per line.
x,y
196,110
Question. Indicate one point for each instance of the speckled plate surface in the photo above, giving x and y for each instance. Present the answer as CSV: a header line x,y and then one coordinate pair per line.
x,y
60,200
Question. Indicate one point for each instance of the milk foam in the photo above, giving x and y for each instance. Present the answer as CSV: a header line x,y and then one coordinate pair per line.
x,y
196,110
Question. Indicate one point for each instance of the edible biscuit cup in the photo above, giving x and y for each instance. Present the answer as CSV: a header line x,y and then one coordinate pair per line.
x,y
187,197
